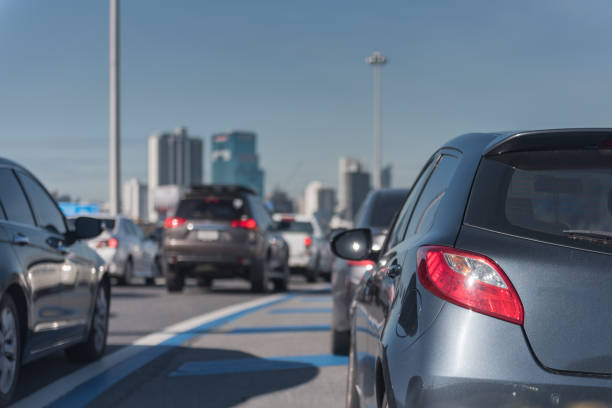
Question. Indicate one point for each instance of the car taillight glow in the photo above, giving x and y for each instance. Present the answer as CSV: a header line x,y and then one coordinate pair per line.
x,y
174,222
469,280
111,243
368,264
249,223
307,242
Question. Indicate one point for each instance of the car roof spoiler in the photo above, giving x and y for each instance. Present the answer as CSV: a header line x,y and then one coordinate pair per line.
x,y
554,139
219,189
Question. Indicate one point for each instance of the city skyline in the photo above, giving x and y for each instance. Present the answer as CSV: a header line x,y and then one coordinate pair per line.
x,y
310,97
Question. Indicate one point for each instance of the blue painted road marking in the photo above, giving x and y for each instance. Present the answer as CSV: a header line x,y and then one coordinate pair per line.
x,y
317,299
243,365
90,390
300,310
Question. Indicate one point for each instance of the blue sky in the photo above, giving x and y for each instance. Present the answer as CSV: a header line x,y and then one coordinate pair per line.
x,y
294,72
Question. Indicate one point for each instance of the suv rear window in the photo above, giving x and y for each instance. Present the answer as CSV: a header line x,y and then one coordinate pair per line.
x,y
295,226
212,208
378,212
557,196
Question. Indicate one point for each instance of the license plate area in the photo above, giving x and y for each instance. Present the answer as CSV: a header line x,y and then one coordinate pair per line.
x,y
207,235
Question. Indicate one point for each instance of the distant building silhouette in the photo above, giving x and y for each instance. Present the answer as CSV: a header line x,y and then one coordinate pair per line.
x,y
319,200
353,186
235,160
281,202
174,158
386,177
135,200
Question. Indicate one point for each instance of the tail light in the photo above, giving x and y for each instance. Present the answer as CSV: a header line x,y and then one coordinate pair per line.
x,y
469,280
111,243
307,242
366,263
249,223
174,222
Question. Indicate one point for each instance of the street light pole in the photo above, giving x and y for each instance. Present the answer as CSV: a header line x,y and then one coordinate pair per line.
x,y
377,60
114,123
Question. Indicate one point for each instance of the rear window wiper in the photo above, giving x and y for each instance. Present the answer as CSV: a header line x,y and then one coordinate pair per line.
x,y
604,237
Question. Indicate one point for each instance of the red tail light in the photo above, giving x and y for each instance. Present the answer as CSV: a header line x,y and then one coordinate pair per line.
x,y
111,243
469,280
307,242
366,262
249,223
174,222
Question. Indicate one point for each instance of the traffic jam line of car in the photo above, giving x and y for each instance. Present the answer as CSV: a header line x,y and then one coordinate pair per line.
x,y
270,319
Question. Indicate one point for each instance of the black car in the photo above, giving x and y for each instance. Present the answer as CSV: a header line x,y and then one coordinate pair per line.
x,y
223,232
55,292
493,286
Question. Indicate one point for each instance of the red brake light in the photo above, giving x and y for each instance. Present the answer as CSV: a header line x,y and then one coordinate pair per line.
x,y
174,222
366,262
469,280
307,241
249,223
113,243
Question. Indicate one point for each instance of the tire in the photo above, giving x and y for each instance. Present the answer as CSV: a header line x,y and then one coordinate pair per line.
x,y
10,345
282,284
175,281
93,348
128,272
313,274
341,342
205,282
259,278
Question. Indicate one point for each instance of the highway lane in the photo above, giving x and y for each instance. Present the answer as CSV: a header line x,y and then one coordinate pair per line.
x,y
273,354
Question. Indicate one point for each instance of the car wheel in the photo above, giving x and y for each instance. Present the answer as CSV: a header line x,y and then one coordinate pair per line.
x,y
204,282
352,398
128,272
313,274
10,349
175,281
341,342
259,278
93,348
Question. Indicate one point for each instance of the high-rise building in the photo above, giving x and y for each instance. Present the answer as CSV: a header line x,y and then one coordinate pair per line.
x,y
235,160
319,200
385,181
175,158
281,202
353,186
135,199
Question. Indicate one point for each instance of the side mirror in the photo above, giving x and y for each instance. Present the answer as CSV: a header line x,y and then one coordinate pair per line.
x,y
353,245
331,234
86,227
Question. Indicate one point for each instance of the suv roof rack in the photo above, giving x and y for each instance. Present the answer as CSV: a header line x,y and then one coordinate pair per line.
x,y
218,189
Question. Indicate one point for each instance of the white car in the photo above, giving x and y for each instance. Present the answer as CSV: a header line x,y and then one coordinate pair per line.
x,y
306,239
125,250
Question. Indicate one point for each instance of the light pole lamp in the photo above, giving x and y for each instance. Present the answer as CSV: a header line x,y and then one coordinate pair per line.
x,y
377,60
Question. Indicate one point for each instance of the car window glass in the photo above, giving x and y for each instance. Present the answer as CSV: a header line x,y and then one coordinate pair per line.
x,y
259,211
427,206
13,200
48,215
397,233
138,231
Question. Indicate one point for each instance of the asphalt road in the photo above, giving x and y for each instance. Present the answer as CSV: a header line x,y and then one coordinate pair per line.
x,y
219,348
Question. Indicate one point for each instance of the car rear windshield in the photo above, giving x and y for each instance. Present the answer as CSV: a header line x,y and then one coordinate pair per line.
x,y
212,208
108,224
556,196
295,226
381,209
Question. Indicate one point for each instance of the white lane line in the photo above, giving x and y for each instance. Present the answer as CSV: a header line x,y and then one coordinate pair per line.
x,y
60,387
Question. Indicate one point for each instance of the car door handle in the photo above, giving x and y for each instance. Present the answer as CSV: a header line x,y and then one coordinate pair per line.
x,y
20,239
394,270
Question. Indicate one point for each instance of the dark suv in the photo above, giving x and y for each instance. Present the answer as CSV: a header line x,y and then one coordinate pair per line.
x,y
223,232
55,292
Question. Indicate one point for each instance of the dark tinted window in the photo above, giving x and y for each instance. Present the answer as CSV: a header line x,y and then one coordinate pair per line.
x,y
108,224
397,233
562,196
13,200
221,209
259,212
380,209
295,226
48,216
432,194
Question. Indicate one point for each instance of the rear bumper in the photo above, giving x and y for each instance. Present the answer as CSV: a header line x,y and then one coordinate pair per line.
x,y
465,359
210,265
